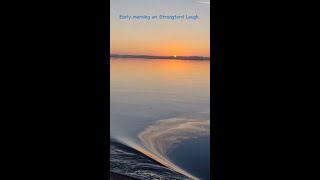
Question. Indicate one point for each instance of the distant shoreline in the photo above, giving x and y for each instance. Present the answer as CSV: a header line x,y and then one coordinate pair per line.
x,y
160,57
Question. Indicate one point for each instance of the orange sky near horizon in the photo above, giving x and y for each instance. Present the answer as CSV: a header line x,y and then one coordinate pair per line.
x,y
160,37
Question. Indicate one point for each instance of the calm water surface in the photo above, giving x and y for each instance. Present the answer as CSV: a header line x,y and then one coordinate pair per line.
x,y
161,108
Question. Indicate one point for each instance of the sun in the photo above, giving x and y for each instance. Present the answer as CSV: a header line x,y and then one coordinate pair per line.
x,y
175,56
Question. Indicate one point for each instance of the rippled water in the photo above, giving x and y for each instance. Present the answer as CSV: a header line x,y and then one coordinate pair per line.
x,y
161,109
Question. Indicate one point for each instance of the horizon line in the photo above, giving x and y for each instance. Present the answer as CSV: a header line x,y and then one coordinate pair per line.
x,y
160,57
113,54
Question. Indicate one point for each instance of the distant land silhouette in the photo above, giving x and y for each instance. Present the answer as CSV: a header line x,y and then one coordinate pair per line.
x,y
160,57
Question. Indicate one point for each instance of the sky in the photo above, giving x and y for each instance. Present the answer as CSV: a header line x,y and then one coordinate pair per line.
x,y
160,37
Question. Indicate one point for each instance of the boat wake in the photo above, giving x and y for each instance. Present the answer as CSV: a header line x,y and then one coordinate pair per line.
x,y
130,162
164,135
150,158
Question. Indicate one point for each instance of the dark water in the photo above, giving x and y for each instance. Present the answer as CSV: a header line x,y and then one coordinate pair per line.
x,y
160,108
197,163
128,161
